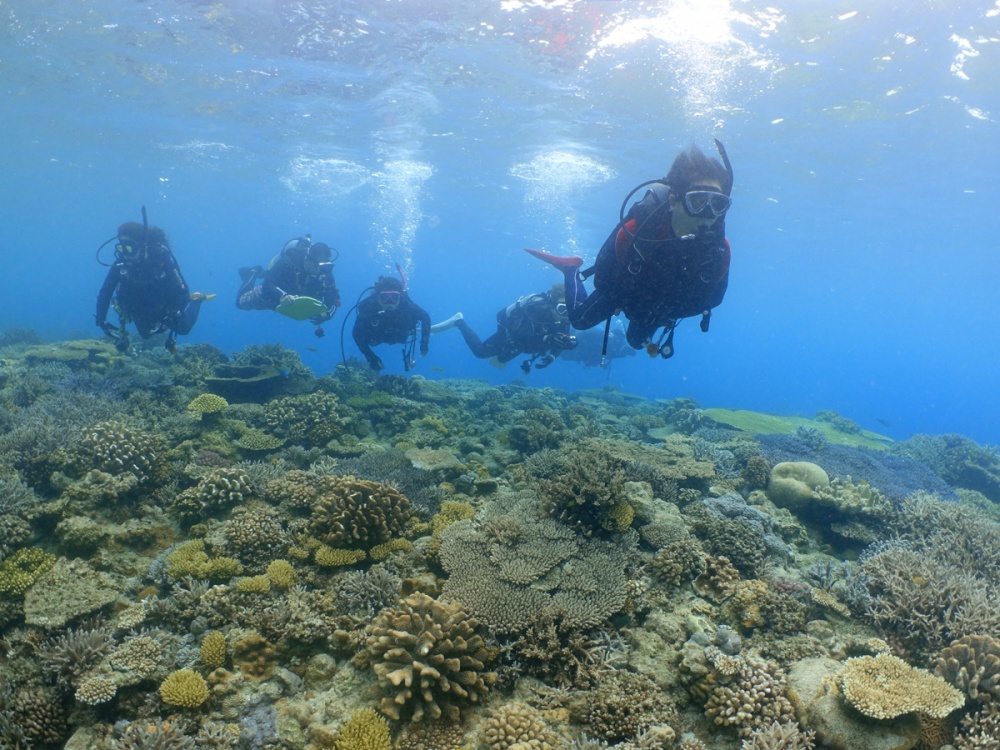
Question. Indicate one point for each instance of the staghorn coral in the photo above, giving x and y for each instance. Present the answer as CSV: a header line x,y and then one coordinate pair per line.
x,y
365,730
429,658
979,730
885,686
116,448
565,656
360,514
151,735
778,736
972,664
67,657
363,593
518,725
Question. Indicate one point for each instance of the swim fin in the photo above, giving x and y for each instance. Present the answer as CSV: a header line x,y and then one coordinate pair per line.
x,y
562,262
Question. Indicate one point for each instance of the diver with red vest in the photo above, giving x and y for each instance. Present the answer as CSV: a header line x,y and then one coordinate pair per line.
x,y
667,259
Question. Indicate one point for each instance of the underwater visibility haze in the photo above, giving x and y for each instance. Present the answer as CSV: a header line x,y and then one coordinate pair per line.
x,y
785,536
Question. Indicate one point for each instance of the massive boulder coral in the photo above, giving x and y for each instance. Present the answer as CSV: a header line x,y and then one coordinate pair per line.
x,y
429,658
357,513
885,686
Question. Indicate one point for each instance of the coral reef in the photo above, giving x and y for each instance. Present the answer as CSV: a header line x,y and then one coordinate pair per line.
x,y
360,514
972,664
184,689
365,730
516,725
429,658
885,686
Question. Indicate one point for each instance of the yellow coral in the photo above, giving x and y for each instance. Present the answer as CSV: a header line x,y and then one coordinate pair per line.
x,y
382,551
885,686
213,650
620,517
282,574
184,688
254,585
451,511
20,571
208,403
190,559
328,557
365,730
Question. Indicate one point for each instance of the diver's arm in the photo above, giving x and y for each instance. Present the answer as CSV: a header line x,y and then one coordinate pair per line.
x,y
111,282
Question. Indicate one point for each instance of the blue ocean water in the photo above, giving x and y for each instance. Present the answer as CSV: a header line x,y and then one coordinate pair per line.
x,y
446,136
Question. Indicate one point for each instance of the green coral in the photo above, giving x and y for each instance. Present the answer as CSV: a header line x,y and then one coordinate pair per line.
x,y
184,688
208,403
20,571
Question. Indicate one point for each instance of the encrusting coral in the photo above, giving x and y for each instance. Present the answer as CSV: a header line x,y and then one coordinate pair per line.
x,y
429,658
885,686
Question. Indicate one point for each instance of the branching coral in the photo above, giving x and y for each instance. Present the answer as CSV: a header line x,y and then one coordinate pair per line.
x,y
748,693
972,664
516,725
116,448
777,736
429,658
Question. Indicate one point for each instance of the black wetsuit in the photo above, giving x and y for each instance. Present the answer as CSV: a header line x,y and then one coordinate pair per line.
x,y
374,326
654,277
529,326
151,293
283,277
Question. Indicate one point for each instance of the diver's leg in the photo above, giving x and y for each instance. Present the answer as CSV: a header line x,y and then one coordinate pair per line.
x,y
479,349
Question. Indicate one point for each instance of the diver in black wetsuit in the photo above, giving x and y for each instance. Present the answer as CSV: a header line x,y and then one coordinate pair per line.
x,y
147,287
302,269
536,324
389,316
667,259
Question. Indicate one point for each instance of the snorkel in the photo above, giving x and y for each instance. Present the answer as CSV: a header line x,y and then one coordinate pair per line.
x,y
725,162
145,239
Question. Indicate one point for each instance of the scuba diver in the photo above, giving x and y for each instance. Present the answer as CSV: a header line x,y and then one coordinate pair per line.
x,y
147,286
536,324
389,316
298,282
667,259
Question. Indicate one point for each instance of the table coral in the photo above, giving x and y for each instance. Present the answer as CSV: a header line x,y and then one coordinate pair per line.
x,y
429,658
885,686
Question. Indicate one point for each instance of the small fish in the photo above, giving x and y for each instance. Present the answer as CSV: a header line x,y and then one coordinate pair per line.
x,y
920,580
437,368
313,348
883,422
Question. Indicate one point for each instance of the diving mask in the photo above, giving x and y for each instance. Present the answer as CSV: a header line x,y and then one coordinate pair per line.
x,y
705,203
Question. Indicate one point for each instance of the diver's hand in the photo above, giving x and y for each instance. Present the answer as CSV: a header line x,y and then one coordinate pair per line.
x,y
423,349
375,363
322,317
287,300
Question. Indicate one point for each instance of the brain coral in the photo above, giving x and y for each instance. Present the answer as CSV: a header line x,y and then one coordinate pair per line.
x,y
429,658
358,513
885,686
972,664
184,688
